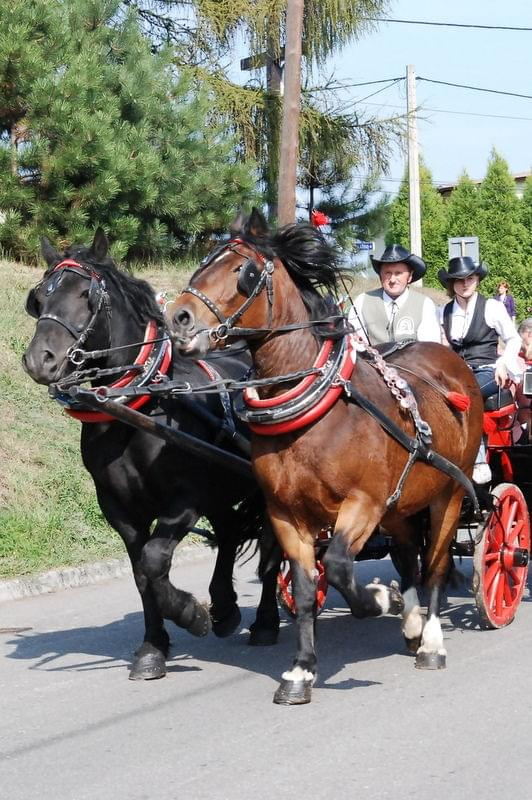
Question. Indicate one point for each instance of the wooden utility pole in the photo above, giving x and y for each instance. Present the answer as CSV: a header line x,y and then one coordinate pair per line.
x,y
286,196
274,72
413,163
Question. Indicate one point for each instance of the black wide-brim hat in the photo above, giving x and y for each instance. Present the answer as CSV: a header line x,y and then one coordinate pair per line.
x,y
394,254
462,267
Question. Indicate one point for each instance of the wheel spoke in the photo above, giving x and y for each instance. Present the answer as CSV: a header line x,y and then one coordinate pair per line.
x,y
517,532
510,593
496,534
490,576
499,594
508,512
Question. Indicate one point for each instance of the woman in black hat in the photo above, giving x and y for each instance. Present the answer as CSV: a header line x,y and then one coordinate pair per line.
x,y
473,326
395,312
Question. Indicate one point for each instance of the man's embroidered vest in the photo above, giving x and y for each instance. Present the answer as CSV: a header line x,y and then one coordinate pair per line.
x,y
406,321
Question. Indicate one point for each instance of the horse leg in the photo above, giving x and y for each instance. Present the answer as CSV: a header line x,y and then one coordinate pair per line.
x,y
444,516
225,614
356,521
407,556
296,683
149,660
265,630
179,606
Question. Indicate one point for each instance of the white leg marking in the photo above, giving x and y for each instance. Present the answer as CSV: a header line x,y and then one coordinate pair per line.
x,y
432,639
382,595
412,616
298,674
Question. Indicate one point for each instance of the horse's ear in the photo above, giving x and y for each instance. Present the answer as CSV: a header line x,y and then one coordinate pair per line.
x,y
237,225
256,224
49,253
100,244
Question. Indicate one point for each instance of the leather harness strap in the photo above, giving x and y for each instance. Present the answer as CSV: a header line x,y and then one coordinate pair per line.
x,y
414,446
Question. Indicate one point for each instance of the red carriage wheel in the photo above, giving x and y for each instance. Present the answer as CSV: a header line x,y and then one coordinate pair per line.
x,y
501,558
284,588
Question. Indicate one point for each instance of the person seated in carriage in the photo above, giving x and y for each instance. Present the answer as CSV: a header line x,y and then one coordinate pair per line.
x,y
395,312
524,400
473,325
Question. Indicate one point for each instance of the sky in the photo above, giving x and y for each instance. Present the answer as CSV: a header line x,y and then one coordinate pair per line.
x,y
457,128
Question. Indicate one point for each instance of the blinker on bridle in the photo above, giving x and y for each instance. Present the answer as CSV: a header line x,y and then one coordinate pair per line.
x,y
251,282
98,297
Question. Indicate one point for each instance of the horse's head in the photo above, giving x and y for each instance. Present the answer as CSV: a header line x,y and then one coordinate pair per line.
x,y
67,304
231,290
256,280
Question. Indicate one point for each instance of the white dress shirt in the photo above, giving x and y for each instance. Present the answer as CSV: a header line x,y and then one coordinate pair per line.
x,y
429,327
496,317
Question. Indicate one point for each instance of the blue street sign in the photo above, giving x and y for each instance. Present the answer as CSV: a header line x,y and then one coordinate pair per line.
x,y
365,245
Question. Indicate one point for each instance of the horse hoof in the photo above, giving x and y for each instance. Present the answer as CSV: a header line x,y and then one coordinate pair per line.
x,y
412,645
201,623
397,604
262,637
293,693
149,665
227,625
430,660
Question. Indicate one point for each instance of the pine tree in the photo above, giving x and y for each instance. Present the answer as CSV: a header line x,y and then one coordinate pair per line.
x,y
463,208
203,32
433,223
112,135
502,234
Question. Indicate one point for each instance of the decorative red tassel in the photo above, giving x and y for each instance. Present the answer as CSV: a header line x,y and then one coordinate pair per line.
x,y
459,401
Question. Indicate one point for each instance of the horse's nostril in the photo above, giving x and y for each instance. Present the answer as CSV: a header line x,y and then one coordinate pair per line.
x,y
183,318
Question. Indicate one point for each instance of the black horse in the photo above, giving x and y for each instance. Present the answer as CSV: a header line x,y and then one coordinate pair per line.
x,y
148,489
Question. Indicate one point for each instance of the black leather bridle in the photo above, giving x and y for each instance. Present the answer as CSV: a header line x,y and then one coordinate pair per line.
x,y
98,299
256,281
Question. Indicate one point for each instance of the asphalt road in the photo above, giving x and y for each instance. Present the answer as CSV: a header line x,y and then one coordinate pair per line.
x,y
72,727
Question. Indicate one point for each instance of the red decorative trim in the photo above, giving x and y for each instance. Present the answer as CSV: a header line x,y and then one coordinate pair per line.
x,y
206,368
125,380
317,411
254,402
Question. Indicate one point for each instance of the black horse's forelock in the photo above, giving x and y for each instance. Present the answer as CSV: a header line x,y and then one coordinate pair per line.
x,y
137,293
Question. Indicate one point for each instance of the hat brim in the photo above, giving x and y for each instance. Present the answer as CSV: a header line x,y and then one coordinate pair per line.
x,y
416,264
445,278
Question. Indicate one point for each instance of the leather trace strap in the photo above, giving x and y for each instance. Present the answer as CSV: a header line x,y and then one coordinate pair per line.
x,y
414,446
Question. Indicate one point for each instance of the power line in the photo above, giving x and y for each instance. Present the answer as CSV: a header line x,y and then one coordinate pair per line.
x,y
475,88
422,108
392,81
449,24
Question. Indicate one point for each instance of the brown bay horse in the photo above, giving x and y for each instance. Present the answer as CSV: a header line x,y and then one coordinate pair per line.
x,y
334,464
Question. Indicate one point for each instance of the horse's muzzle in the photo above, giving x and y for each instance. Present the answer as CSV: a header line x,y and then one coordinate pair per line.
x,y
189,338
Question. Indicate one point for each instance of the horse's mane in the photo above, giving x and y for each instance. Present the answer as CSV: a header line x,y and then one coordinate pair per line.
x,y
135,292
312,263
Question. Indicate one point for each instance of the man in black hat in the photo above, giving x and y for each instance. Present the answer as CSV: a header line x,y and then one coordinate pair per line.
x,y
473,326
395,312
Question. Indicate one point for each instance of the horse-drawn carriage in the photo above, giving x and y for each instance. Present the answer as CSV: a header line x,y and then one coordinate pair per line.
x,y
348,451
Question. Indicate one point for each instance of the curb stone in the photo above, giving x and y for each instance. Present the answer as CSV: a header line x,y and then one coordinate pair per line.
x,y
86,574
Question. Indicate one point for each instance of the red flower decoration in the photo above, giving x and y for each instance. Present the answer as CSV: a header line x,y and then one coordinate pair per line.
x,y
318,218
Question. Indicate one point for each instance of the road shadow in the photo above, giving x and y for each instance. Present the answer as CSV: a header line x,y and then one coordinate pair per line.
x,y
342,640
